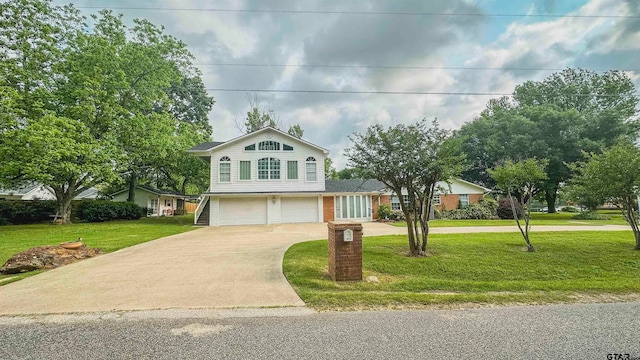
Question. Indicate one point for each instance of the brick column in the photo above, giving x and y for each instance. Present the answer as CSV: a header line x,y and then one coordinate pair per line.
x,y
345,258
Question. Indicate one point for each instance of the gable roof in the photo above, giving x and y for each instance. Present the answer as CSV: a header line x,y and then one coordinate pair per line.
x,y
473,184
21,190
208,146
354,186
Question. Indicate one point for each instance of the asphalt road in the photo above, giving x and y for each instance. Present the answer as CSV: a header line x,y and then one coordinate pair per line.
x,y
534,332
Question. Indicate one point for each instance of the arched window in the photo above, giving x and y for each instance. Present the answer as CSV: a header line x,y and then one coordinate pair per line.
x,y
224,169
269,169
312,169
269,145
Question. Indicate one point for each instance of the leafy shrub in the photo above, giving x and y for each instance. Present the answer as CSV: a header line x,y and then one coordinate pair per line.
x,y
103,210
26,211
504,210
397,215
473,211
591,215
384,211
570,209
178,212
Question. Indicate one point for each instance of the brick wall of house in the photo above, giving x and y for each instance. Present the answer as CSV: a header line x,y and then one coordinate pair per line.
x,y
345,258
328,208
451,201
384,199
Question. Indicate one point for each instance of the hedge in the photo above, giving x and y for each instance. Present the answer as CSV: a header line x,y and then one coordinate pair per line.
x,y
26,211
104,210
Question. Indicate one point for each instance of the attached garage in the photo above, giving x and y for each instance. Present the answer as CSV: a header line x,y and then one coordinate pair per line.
x,y
299,209
243,211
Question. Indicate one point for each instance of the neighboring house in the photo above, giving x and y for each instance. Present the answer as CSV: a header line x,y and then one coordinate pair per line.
x,y
448,196
40,192
159,202
271,177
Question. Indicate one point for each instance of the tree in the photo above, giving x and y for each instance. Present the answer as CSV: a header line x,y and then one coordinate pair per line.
x,y
61,154
612,177
569,112
329,170
351,173
129,88
296,130
522,178
412,157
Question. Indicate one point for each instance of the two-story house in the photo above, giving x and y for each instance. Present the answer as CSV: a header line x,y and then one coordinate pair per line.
x,y
271,177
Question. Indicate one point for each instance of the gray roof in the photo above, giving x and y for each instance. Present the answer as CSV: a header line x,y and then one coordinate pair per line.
x,y
20,190
354,186
206,145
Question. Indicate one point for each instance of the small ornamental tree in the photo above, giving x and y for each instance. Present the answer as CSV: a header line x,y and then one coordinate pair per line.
x,y
411,157
612,177
523,179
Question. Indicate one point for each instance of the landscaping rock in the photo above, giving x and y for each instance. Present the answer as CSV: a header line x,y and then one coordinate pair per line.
x,y
46,257
373,279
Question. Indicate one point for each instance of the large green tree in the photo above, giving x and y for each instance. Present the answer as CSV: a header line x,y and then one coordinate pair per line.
x,y
408,158
129,93
571,111
612,177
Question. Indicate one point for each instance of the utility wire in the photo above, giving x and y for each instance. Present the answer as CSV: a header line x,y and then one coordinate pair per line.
x,y
390,13
417,67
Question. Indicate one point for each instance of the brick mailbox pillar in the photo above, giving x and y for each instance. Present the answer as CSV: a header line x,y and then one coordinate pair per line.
x,y
345,250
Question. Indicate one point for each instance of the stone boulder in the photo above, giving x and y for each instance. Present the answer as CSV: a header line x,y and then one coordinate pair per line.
x,y
46,257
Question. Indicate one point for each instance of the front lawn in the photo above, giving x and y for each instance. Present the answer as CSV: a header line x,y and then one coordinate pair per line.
x,y
109,236
479,268
539,219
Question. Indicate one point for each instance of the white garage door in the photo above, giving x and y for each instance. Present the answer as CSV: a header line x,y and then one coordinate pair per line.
x,y
243,211
299,209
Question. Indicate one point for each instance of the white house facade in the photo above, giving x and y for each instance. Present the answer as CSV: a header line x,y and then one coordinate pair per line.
x,y
265,177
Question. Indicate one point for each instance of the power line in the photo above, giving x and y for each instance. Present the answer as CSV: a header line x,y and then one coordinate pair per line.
x,y
403,67
388,13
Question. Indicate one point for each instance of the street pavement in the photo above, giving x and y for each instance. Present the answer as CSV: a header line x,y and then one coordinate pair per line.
x,y
586,331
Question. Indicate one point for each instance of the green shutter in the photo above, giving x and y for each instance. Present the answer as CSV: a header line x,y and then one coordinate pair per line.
x,y
245,170
292,170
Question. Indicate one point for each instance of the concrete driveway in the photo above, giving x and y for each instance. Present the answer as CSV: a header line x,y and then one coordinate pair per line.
x,y
213,267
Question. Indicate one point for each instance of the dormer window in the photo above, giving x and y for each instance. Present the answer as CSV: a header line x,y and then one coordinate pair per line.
x,y
225,169
286,147
251,147
269,145
311,169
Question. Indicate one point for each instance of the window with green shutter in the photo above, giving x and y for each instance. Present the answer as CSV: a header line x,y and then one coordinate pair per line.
x,y
245,170
292,170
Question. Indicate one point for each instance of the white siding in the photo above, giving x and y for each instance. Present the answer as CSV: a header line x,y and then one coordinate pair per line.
x,y
236,152
39,193
273,209
214,211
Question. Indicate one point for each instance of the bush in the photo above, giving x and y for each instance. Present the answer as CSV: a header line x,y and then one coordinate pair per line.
x,y
26,211
570,209
504,210
384,212
471,212
104,210
591,215
178,212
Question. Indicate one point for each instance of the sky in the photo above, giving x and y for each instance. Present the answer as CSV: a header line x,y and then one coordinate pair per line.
x,y
592,34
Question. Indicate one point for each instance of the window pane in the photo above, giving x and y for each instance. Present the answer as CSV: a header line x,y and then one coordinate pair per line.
x,y
225,172
251,147
263,168
351,207
338,207
286,147
395,202
358,207
292,170
275,168
464,200
311,171
344,207
269,145
245,170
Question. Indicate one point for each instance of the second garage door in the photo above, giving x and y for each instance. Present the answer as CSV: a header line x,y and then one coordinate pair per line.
x,y
299,209
243,211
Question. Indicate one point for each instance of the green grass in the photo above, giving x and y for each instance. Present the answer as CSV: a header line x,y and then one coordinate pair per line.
x,y
539,219
109,236
479,268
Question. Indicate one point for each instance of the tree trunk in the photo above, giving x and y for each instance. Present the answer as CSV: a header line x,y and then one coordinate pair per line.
x,y
64,208
132,187
551,201
637,235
